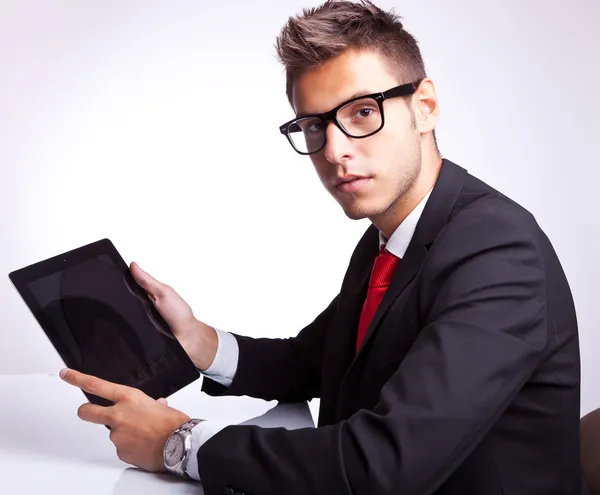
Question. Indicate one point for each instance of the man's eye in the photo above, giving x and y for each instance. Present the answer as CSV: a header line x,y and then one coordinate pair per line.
x,y
365,112
315,127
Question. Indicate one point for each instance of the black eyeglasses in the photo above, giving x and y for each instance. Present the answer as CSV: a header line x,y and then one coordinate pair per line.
x,y
358,118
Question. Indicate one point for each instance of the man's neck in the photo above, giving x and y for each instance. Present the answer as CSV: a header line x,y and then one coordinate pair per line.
x,y
391,219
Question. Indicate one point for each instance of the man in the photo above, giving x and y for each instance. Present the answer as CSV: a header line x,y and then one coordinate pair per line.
x,y
449,361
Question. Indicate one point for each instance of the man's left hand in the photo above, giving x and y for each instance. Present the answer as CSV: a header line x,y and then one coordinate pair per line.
x,y
139,424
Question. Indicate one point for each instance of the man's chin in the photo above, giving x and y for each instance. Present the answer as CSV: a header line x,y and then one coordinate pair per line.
x,y
356,216
359,212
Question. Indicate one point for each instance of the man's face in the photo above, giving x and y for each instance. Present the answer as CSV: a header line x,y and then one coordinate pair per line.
x,y
366,176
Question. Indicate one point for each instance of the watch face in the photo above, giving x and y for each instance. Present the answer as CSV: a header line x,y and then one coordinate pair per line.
x,y
174,450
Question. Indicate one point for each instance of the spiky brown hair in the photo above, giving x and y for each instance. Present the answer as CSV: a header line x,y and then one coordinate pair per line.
x,y
323,32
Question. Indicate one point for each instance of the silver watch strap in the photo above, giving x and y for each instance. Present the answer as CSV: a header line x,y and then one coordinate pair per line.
x,y
190,424
186,428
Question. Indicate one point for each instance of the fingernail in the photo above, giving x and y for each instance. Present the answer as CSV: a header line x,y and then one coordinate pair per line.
x,y
63,372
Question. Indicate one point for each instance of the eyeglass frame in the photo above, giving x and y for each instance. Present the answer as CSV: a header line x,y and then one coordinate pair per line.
x,y
331,116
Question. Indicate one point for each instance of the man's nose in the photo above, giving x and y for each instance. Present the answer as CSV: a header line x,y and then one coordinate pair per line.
x,y
339,146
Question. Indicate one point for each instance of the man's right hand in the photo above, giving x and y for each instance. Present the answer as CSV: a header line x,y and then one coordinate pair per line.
x,y
198,339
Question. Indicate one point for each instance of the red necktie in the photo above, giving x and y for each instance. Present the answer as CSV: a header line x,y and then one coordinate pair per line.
x,y
381,276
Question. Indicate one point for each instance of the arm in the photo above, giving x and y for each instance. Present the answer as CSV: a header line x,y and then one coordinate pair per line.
x,y
484,336
287,370
221,374
224,366
271,369
222,371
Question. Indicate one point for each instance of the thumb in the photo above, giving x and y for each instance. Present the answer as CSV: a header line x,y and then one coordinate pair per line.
x,y
163,402
146,281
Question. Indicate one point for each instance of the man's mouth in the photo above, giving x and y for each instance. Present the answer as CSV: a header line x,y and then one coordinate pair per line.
x,y
348,178
351,183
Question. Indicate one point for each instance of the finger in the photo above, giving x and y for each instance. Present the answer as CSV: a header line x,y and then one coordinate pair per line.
x,y
93,385
96,414
146,281
163,402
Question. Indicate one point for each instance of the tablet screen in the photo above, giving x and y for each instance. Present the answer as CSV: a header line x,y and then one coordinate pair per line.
x,y
103,324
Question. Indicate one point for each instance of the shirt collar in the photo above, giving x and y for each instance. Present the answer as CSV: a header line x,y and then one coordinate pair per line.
x,y
400,238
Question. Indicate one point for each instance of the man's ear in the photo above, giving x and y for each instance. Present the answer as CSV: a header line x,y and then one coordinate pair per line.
x,y
428,109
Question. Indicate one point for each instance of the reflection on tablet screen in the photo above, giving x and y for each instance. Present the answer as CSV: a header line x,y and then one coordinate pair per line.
x,y
104,321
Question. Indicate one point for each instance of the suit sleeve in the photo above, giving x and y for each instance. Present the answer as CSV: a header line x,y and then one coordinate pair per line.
x,y
483,338
286,370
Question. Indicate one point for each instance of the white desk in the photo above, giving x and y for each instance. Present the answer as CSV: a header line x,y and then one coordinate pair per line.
x,y
46,449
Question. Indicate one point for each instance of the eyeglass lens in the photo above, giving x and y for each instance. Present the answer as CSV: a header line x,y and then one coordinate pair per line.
x,y
358,118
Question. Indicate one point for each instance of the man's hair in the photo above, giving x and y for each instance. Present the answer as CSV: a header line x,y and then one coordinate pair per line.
x,y
324,32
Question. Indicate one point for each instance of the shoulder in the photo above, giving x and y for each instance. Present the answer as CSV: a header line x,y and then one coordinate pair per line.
x,y
482,213
485,222
480,200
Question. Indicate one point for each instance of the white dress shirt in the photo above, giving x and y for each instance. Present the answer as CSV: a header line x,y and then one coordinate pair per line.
x,y
224,365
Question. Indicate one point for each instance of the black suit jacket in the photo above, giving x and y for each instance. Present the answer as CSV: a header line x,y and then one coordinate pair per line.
x,y
467,381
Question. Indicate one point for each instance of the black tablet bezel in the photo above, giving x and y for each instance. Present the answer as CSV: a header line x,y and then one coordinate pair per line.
x,y
162,385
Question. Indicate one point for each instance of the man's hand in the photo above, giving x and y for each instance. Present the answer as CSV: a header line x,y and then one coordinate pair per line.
x,y
139,425
198,339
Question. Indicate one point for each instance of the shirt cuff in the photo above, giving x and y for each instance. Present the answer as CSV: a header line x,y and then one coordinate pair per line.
x,y
224,365
200,435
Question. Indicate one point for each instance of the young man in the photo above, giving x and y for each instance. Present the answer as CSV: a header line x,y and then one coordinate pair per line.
x,y
449,361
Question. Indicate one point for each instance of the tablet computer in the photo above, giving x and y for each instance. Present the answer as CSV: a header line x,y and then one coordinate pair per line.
x,y
102,323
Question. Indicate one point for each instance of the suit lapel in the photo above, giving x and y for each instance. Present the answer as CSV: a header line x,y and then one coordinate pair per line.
x,y
340,354
435,216
406,271
340,347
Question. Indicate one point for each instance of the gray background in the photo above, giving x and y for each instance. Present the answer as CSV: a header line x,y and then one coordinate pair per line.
x,y
156,124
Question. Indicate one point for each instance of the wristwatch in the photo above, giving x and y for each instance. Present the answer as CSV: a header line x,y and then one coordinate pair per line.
x,y
177,448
